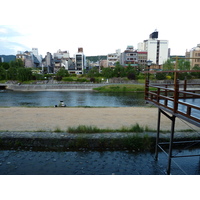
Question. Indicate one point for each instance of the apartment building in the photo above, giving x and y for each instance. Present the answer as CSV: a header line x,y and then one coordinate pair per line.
x,y
113,58
129,57
142,58
61,59
80,61
195,54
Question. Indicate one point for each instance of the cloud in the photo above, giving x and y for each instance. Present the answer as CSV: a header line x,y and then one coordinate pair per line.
x,y
10,40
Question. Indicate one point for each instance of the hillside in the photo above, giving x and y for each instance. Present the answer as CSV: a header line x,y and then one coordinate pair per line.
x,y
8,58
96,58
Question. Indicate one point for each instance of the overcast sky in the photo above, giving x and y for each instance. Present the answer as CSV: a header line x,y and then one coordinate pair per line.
x,y
99,26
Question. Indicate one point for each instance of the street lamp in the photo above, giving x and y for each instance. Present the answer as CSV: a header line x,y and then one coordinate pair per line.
x,y
149,62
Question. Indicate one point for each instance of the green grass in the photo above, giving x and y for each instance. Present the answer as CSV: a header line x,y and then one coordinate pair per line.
x,y
121,88
93,129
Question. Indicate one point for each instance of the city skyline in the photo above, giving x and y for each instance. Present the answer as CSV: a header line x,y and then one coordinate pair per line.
x,y
100,28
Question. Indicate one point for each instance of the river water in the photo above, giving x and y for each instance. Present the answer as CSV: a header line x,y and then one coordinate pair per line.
x,y
93,163
71,98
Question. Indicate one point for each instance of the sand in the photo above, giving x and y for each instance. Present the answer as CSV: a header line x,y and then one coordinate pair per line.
x,y
50,119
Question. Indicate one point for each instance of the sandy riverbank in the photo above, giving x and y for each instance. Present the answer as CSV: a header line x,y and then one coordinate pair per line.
x,y
48,119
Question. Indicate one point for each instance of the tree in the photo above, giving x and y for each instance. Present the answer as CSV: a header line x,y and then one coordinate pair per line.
x,y
119,71
24,74
17,63
168,65
131,72
94,72
5,65
12,73
107,72
62,73
184,64
160,76
2,73
196,74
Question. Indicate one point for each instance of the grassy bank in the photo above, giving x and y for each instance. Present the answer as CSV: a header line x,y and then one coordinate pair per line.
x,y
121,88
93,129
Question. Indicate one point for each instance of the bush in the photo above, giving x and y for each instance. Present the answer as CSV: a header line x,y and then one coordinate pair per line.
x,y
92,80
68,79
131,76
160,76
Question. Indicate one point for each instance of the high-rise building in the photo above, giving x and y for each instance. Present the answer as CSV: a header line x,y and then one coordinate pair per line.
x,y
157,50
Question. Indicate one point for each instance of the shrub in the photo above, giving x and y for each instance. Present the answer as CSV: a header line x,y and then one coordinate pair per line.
x,y
92,80
69,79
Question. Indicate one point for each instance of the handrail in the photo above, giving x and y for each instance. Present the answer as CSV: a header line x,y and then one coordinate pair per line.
x,y
169,98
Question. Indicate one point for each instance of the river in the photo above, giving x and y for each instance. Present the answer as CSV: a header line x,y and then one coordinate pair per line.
x,y
71,98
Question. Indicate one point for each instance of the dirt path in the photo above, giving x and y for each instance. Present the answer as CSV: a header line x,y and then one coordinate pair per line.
x,y
49,119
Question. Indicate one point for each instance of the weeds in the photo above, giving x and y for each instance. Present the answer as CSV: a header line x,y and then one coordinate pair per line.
x,y
93,129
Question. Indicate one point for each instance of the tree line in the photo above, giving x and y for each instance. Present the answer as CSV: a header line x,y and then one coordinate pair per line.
x,y
15,70
182,64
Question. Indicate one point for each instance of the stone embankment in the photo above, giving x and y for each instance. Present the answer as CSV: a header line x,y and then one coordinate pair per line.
x,y
52,87
97,141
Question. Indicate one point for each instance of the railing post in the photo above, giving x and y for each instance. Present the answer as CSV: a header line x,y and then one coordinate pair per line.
x,y
176,91
185,88
158,135
146,89
171,144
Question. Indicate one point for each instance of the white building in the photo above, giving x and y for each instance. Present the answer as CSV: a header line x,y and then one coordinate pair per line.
x,y
112,58
157,50
36,54
80,61
61,54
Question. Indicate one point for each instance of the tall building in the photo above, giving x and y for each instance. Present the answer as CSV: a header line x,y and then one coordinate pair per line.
x,y
80,60
157,50
37,56
48,63
195,54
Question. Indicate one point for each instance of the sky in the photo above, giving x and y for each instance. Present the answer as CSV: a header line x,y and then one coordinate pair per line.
x,y
99,26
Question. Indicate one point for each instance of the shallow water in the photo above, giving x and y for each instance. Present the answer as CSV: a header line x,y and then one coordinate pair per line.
x,y
93,163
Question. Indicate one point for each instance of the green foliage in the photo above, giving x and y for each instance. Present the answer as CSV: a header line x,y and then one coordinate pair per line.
x,y
17,63
119,71
5,65
94,72
196,74
183,64
68,79
168,65
107,72
24,74
160,76
12,73
2,73
84,129
62,73
121,88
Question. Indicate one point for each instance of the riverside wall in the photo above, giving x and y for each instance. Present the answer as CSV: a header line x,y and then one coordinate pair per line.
x,y
52,87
